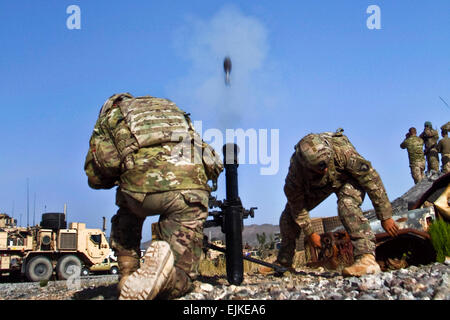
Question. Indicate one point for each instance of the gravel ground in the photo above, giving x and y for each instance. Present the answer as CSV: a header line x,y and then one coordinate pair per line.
x,y
86,288
430,282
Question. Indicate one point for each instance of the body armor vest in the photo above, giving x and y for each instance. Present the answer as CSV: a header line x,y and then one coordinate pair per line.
x,y
153,120
148,121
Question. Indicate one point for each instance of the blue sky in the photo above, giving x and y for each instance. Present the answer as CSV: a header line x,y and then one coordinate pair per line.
x,y
298,66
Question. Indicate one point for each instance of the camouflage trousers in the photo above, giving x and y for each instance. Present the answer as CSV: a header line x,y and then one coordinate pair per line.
x,y
350,198
432,160
445,163
417,171
182,215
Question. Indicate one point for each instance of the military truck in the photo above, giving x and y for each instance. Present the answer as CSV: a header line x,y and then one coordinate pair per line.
x,y
39,251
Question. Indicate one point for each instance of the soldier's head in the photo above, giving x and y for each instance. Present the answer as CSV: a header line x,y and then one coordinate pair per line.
x,y
412,131
428,124
444,133
315,153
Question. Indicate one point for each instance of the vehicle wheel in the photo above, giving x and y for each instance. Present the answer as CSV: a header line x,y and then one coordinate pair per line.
x,y
114,270
39,268
68,265
85,272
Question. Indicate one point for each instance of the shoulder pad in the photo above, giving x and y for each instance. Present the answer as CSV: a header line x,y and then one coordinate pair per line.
x,y
112,100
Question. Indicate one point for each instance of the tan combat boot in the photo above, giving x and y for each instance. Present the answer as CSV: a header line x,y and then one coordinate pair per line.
x,y
152,276
177,285
127,265
364,264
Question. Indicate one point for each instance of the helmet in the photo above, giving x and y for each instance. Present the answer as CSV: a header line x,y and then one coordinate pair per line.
x,y
428,124
314,151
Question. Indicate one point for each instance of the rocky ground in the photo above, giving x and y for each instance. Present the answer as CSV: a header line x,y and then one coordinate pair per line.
x,y
430,282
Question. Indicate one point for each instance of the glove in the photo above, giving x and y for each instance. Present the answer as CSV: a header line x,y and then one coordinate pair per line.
x,y
390,226
314,239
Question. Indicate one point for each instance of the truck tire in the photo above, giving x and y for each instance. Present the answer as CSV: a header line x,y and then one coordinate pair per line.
x,y
39,268
114,270
67,265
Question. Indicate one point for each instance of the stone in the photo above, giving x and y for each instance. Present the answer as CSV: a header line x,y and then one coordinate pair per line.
x,y
206,287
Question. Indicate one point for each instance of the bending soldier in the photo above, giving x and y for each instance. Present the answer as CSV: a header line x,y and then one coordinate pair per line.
x,y
430,138
414,145
328,163
136,146
444,149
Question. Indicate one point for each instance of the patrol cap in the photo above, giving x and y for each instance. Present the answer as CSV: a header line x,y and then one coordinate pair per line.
x,y
314,151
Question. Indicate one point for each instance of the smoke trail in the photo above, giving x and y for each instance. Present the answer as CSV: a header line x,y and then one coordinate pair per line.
x,y
205,43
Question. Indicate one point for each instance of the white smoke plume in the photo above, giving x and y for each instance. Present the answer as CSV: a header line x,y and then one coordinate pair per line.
x,y
205,44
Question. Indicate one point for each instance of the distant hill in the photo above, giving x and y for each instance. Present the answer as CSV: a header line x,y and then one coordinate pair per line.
x,y
248,234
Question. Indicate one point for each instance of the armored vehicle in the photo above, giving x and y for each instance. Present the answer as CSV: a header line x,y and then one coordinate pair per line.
x,y
42,250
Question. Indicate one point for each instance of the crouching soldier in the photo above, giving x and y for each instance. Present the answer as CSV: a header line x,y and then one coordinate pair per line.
x,y
328,163
148,147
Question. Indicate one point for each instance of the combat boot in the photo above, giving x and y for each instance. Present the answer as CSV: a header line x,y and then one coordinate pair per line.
x,y
153,274
364,264
127,265
177,285
282,263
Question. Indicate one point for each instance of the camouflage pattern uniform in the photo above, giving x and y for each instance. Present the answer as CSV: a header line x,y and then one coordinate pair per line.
x,y
444,149
349,176
430,138
153,180
446,127
414,145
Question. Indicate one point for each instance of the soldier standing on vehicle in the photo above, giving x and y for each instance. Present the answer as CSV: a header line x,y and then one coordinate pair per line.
x,y
414,145
443,148
430,137
136,146
328,163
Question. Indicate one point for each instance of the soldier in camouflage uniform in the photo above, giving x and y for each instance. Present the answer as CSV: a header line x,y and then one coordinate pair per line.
x,y
148,147
414,145
443,148
430,137
328,163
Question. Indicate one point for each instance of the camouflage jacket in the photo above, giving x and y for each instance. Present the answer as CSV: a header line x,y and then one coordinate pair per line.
x,y
430,137
161,167
444,146
305,190
414,145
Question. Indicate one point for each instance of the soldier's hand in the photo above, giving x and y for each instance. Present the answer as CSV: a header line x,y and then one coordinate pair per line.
x,y
390,226
314,239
